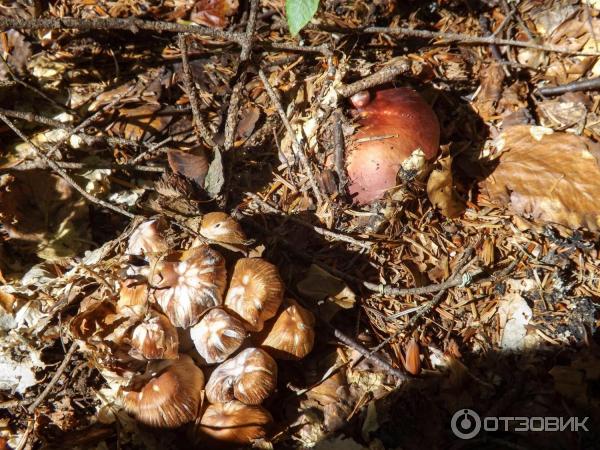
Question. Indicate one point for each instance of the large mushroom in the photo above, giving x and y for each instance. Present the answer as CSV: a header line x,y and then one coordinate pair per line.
x,y
395,125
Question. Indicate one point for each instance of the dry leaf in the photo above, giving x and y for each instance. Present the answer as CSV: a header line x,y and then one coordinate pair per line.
x,y
440,190
190,165
213,13
15,50
321,286
547,176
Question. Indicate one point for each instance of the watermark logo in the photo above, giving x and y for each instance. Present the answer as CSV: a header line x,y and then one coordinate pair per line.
x,y
466,424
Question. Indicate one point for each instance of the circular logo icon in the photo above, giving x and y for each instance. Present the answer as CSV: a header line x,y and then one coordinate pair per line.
x,y
465,424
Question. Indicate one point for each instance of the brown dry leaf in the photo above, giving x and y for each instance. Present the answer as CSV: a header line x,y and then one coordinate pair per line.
x,y
440,190
140,122
190,165
547,176
42,210
15,51
492,77
248,118
320,286
213,13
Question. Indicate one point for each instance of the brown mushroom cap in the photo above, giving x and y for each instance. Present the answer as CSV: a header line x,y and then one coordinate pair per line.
x,y
292,336
395,123
155,337
232,423
171,397
190,284
221,227
218,335
146,239
250,377
255,292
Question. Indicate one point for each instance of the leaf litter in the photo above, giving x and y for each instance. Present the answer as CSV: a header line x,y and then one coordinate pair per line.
x,y
513,334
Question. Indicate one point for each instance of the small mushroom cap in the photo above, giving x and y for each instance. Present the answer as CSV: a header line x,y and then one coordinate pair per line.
x,y
190,284
171,397
147,239
155,338
232,423
218,335
221,227
255,292
250,377
292,336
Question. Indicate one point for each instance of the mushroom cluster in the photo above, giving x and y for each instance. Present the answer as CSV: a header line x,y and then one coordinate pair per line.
x,y
187,343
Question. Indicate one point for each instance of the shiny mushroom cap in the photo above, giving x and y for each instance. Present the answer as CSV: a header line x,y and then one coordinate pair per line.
x,y
155,338
221,227
171,397
218,335
255,292
232,423
292,336
147,239
190,283
250,377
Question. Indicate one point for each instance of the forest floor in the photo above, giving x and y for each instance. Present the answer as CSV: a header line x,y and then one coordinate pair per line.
x,y
479,291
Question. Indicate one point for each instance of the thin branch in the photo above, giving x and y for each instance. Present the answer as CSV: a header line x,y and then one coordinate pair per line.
x,y
382,76
199,127
370,355
41,164
339,151
465,39
579,85
133,25
285,47
64,174
63,366
322,231
296,147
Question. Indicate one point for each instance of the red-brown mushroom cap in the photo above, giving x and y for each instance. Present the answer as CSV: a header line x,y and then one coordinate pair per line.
x,y
155,337
394,124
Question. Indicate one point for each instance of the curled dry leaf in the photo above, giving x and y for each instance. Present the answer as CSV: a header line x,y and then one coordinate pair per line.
x,y
42,209
319,285
193,166
213,13
15,50
441,192
547,176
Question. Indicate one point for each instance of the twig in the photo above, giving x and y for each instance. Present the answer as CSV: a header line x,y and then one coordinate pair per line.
x,y
339,151
40,164
199,127
133,25
88,121
465,39
297,148
371,356
151,150
322,231
579,85
248,37
88,138
285,47
64,174
38,401
382,76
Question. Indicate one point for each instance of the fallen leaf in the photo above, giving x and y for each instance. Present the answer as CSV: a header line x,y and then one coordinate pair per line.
x,y
213,13
328,292
215,178
15,51
441,192
546,176
190,165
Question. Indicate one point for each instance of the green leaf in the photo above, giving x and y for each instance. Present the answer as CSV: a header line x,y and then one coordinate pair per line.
x,y
299,13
